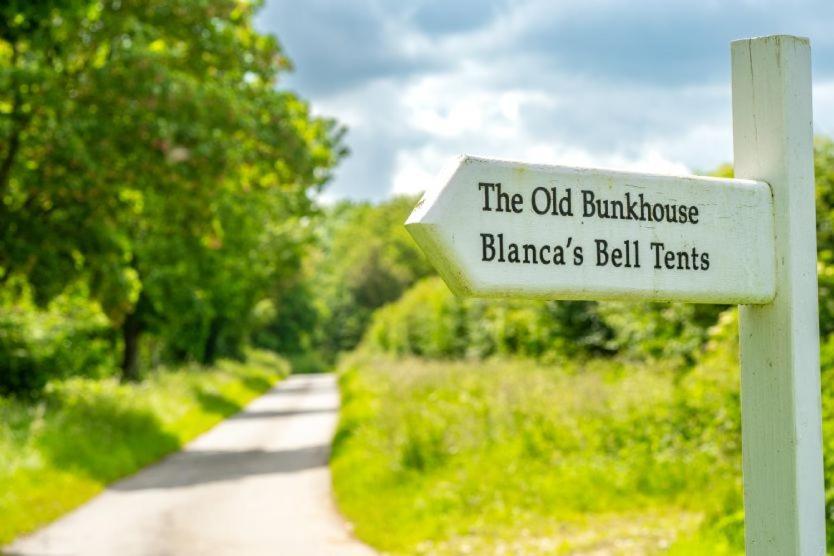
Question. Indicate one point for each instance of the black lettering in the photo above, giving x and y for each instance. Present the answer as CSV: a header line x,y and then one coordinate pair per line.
x,y
602,252
518,203
528,249
512,255
645,210
671,214
565,208
546,207
486,187
617,257
488,247
658,249
632,208
587,203
682,214
629,207
503,199
628,254
657,212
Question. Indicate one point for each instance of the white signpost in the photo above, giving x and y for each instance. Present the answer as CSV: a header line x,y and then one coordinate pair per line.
x,y
509,229
506,229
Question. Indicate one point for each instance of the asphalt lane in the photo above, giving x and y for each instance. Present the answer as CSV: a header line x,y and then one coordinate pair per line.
x,y
256,484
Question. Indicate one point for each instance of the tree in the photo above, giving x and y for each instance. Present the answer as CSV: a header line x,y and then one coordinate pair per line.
x,y
824,169
145,150
367,259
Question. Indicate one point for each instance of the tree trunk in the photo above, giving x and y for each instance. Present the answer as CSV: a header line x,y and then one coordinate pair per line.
x,y
210,349
18,125
131,330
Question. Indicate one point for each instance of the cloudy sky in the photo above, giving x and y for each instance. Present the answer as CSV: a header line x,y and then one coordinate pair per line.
x,y
609,83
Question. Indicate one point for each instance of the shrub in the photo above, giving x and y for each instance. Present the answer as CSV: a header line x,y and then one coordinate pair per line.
x,y
20,371
69,337
458,452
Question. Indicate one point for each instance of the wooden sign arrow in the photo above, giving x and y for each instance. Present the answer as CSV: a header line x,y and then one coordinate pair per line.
x,y
497,229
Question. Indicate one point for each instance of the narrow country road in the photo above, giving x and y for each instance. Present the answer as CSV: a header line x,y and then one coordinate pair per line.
x,y
256,484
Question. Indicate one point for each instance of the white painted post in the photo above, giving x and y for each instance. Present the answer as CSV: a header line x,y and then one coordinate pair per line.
x,y
780,384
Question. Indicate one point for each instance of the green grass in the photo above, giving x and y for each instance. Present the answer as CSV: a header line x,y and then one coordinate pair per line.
x,y
512,457
60,451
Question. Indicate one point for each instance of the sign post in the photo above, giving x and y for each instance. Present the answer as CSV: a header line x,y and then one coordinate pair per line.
x,y
780,384
505,229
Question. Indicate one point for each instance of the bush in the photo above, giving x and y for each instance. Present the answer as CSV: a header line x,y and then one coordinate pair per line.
x,y
366,259
430,321
20,371
659,331
69,337
432,456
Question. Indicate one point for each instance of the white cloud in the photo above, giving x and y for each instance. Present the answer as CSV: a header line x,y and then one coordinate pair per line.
x,y
576,82
455,105
650,160
415,171
437,118
465,112
823,95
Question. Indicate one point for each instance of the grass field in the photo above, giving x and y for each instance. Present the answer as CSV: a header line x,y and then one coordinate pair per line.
x,y
511,457
85,433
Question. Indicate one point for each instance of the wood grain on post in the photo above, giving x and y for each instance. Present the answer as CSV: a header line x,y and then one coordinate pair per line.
x,y
780,376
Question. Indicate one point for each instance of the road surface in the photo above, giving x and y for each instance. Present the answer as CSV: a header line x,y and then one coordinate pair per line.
x,y
256,484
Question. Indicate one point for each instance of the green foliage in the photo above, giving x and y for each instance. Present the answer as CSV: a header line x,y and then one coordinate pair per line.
x,y
824,168
489,454
367,259
432,457
668,331
23,373
442,457
69,337
286,325
146,154
430,321
155,181
63,449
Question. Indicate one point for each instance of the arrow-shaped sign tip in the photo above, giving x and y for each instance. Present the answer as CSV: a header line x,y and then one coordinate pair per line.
x,y
424,226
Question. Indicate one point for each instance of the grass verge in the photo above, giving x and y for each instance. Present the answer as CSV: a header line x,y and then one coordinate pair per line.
x,y
511,457
63,449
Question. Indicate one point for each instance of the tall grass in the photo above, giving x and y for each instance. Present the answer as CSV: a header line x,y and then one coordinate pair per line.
x,y
60,451
516,457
